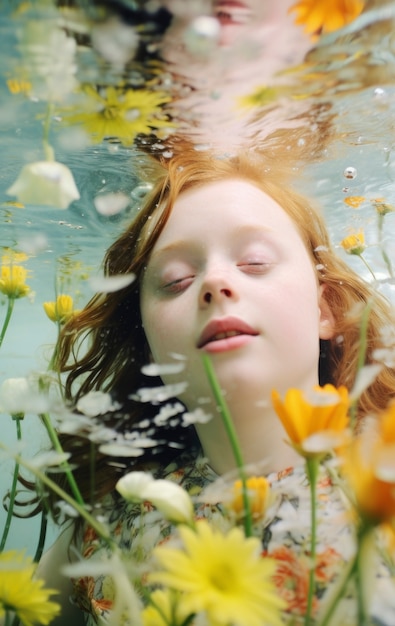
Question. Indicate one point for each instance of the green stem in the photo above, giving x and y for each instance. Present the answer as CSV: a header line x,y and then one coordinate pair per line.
x,y
10,307
65,466
365,535
97,526
42,536
355,569
48,150
386,259
363,347
367,265
339,593
312,466
232,435
10,511
92,474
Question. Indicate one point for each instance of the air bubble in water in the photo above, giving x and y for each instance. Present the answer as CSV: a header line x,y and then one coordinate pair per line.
x,y
202,35
379,92
141,190
350,172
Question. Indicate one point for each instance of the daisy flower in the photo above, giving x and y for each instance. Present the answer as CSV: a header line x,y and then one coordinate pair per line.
x,y
222,575
122,114
23,595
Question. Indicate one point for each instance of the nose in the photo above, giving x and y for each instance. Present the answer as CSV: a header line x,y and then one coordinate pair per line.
x,y
216,288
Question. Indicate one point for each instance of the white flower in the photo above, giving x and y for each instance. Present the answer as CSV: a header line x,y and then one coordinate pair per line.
x,y
48,59
96,403
198,416
109,284
109,204
46,183
116,41
17,396
159,394
171,499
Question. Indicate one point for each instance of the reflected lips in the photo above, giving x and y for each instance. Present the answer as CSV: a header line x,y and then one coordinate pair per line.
x,y
225,334
228,12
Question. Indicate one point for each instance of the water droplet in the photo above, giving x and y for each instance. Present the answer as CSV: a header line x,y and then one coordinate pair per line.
x,y
141,190
202,35
350,172
201,147
380,95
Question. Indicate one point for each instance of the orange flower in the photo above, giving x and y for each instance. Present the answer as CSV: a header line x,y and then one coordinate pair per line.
x,y
369,466
321,16
292,575
291,579
317,426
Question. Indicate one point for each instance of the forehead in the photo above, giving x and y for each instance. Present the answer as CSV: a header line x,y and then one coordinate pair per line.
x,y
225,204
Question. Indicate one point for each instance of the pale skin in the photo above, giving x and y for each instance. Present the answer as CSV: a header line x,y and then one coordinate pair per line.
x,y
256,41
230,255
229,260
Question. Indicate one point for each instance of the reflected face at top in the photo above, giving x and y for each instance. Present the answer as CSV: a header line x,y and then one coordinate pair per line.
x,y
230,276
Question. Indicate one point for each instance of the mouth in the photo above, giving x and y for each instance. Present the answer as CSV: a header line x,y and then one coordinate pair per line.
x,y
224,329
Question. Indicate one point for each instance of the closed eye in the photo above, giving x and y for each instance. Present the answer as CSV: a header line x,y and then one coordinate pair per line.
x,y
254,267
178,285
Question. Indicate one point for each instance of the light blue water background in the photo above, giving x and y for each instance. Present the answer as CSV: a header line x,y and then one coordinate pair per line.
x,y
363,138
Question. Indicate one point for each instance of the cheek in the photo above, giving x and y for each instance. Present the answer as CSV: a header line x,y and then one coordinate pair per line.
x,y
295,309
162,328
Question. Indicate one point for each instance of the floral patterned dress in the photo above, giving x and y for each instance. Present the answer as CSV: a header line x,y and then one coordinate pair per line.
x,y
285,535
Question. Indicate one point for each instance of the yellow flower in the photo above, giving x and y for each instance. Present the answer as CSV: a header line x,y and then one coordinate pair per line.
x,y
354,201
354,244
21,594
122,114
61,310
382,207
314,427
17,85
13,281
369,466
323,16
260,97
223,575
258,492
12,256
164,610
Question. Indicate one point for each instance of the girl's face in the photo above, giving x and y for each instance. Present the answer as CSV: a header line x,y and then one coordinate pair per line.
x,y
230,276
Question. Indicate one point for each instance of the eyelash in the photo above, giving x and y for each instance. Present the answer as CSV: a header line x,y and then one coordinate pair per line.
x,y
260,266
177,286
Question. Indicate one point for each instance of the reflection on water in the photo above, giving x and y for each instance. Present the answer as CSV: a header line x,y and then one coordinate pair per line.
x,y
99,88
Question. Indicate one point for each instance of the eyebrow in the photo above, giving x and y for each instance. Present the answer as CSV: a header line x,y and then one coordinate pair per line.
x,y
184,244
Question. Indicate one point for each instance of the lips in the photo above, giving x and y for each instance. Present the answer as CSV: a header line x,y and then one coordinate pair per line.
x,y
231,12
224,328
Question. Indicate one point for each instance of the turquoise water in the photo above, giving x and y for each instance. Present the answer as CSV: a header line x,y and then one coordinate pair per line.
x,y
353,87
